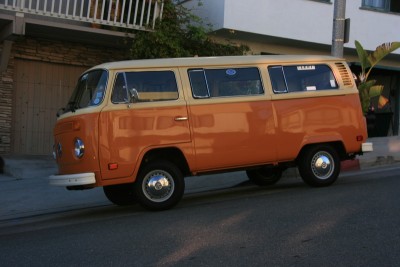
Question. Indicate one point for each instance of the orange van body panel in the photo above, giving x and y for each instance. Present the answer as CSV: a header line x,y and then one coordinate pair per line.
x,y
84,126
126,134
215,137
233,134
318,120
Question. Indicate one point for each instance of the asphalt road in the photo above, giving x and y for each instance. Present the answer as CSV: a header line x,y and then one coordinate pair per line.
x,y
354,222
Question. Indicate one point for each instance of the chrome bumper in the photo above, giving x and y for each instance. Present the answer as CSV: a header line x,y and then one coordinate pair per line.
x,y
72,179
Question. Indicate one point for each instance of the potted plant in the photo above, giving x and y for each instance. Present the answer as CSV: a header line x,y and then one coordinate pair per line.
x,y
368,89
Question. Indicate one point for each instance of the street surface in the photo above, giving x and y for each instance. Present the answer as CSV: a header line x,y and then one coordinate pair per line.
x,y
354,222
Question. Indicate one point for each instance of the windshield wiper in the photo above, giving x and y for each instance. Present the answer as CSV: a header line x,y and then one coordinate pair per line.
x,y
60,111
72,106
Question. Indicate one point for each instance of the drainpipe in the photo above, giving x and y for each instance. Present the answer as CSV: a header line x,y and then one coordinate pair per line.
x,y
339,14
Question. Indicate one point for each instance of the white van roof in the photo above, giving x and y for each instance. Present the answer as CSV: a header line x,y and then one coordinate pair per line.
x,y
210,61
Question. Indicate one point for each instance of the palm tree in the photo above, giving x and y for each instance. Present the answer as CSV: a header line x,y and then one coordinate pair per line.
x,y
367,88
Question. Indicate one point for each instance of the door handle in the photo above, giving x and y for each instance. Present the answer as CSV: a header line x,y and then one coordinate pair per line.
x,y
181,118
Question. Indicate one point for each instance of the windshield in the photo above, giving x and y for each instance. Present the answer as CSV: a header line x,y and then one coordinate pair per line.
x,y
89,91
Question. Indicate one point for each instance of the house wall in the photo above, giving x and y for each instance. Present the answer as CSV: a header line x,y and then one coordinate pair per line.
x,y
302,20
40,51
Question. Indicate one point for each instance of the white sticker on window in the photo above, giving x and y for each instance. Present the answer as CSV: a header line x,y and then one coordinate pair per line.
x,y
333,83
311,88
310,67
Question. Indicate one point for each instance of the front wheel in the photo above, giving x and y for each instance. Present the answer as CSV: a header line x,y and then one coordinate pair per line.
x,y
159,185
120,194
319,165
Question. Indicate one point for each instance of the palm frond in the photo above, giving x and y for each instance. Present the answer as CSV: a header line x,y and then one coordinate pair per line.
x,y
382,51
362,56
375,90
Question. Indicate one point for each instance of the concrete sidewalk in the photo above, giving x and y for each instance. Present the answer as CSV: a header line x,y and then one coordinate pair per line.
x,y
24,189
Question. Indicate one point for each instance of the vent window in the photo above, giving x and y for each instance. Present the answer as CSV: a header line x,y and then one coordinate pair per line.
x,y
347,78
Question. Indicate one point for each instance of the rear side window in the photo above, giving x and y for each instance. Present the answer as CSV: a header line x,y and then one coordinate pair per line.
x,y
144,86
206,83
297,78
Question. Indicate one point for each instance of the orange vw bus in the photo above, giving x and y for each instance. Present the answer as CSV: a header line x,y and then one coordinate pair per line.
x,y
137,128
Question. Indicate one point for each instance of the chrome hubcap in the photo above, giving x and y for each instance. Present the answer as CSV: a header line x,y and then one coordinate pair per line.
x,y
322,165
158,186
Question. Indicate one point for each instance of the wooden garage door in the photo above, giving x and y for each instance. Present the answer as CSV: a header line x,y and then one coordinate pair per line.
x,y
41,89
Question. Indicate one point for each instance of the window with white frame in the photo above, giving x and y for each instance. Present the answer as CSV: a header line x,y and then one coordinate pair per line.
x,y
382,5
378,4
324,1
301,78
225,82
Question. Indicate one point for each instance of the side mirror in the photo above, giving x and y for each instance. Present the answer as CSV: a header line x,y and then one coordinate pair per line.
x,y
134,95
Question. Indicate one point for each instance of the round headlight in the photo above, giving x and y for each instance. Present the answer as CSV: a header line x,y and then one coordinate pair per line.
x,y
79,148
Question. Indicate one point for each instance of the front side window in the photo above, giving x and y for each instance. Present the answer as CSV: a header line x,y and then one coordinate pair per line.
x,y
144,86
206,83
89,90
301,78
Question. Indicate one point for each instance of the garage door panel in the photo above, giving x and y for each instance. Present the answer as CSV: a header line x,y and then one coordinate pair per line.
x,y
41,89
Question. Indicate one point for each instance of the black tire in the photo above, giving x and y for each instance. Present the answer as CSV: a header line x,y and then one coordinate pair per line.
x,y
159,185
265,176
121,194
319,165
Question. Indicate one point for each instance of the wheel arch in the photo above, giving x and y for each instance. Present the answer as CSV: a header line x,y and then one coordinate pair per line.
x,y
172,154
337,145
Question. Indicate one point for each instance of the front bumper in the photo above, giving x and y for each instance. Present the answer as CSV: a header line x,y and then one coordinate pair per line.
x,y
87,178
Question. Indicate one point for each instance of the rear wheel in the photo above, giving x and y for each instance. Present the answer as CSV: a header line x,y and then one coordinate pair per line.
x,y
265,176
159,185
121,194
319,165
